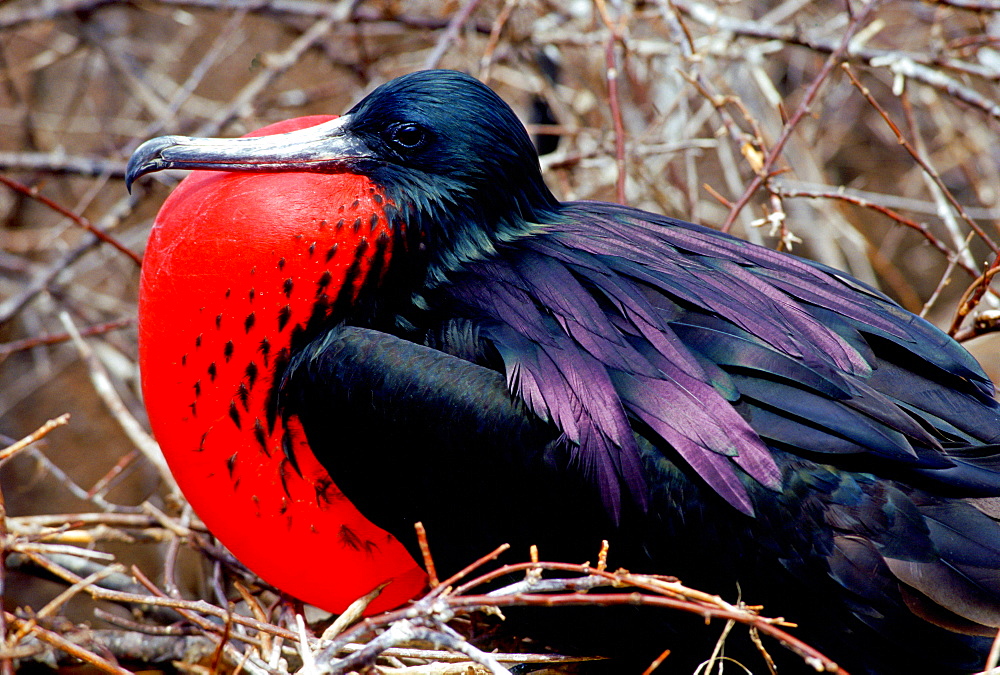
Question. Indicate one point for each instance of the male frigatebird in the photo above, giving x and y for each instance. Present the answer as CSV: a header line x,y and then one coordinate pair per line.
x,y
395,297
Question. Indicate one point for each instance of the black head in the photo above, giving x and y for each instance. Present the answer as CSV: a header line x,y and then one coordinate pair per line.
x,y
441,134
450,154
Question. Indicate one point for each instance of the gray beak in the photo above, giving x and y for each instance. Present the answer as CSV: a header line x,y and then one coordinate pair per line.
x,y
326,147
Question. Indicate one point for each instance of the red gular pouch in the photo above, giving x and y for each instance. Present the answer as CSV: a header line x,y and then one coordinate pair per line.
x,y
235,263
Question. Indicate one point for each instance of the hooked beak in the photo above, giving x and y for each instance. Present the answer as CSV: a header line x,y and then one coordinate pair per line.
x,y
326,147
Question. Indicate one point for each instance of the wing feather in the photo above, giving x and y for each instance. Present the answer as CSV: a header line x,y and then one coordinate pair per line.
x,y
613,322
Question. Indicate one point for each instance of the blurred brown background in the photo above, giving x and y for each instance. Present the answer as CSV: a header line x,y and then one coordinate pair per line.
x,y
704,92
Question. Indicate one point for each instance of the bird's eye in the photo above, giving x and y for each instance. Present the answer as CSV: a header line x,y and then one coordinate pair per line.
x,y
407,136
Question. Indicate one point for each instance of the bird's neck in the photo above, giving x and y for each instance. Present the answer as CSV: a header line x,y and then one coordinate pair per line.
x,y
434,243
450,227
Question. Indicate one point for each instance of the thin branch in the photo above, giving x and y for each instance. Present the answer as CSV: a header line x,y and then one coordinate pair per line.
x,y
57,163
33,193
918,66
65,645
889,213
6,664
57,602
973,5
974,294
486,60
764,173
425,553
455,24
57,338
101,380
924,164
34,436
14,304
277,65
611,73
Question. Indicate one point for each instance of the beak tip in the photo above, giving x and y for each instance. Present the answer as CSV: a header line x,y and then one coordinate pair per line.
x,y
148,158
134,171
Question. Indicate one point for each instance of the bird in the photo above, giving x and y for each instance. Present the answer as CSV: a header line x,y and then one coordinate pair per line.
x,y
409,322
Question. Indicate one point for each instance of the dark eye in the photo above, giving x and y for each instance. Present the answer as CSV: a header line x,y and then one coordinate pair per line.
x,y
407,136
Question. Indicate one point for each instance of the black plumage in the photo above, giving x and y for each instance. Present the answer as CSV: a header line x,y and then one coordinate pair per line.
x,y
537,372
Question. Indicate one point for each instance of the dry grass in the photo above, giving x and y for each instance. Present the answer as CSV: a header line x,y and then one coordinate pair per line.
x,y
741,115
